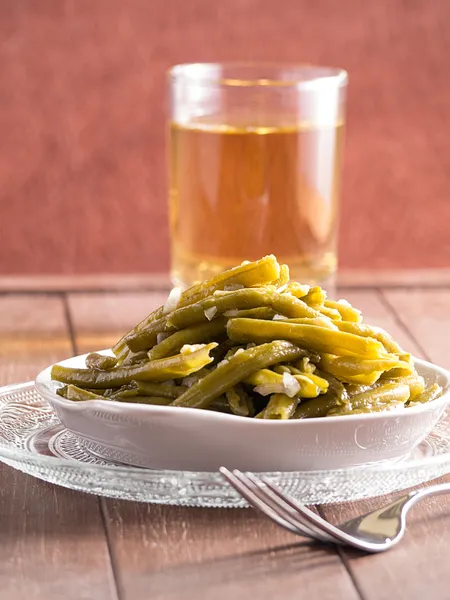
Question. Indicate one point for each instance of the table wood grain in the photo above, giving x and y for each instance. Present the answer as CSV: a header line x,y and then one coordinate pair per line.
x,y
57,543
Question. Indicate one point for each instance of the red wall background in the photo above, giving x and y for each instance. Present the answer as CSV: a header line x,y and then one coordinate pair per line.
x,y
82,109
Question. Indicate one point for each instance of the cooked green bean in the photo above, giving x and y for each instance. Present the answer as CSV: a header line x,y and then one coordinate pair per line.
x,y
351,369
134,358
321,321
346,310
204,332
236,369
239,299
268,382
155,400
262,312
311,336
149,388
432,392
280,406
284,276
374,332
94,360
292,307
334,385
76,394
240,402
315,297
177,366
385,395
297,289
249,274
317,407
147,337
331,313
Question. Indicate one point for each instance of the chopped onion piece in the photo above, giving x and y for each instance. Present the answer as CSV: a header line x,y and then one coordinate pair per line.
x,y
279,318
190,348
291,385
189,380
161,336
210,312
282,288
269,388
173,300
231,313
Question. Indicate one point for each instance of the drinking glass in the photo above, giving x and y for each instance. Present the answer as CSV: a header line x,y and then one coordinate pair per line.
x,y
255,153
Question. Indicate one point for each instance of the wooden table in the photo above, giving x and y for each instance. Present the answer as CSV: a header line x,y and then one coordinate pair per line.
x,y
56,543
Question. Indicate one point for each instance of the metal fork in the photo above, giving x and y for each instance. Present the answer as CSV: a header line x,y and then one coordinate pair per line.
x,y
374,531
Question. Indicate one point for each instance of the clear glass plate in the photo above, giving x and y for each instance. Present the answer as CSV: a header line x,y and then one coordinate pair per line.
x,y
33,440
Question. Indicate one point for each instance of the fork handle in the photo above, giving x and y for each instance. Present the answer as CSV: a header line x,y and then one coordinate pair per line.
x,y
432,490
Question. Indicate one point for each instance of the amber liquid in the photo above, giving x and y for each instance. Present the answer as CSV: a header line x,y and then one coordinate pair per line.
x,y
238,193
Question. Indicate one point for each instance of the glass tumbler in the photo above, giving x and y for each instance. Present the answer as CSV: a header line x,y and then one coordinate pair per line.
x,y
255,154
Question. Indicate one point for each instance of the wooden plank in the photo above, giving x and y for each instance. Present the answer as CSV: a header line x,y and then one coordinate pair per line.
x,y
53,541
165,552
414,569
168,553
130,282
100,319
426,314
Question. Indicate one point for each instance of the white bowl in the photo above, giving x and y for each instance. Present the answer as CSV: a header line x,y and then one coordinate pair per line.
x,y
164,437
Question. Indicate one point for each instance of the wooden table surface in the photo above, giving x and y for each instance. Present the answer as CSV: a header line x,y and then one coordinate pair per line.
x,y
57,543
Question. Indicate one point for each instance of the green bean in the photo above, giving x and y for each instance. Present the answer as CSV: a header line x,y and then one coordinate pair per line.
x,y
134,358
432,392
76,394
173,367
284,276
155,400
317,407
415,382
334,386
262,312
240,402
204,332
239,299
346,310
297,290
312,336
331,313
149,388
292,307
280,406
315,297
403,370
259,272
94,360
388,394
220,405
268,382
321,321
147,337
373,332
236,369
354,370
304,365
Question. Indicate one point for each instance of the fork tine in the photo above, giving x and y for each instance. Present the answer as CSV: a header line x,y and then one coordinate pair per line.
x,y
274,505
254,501
311,517
280,502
